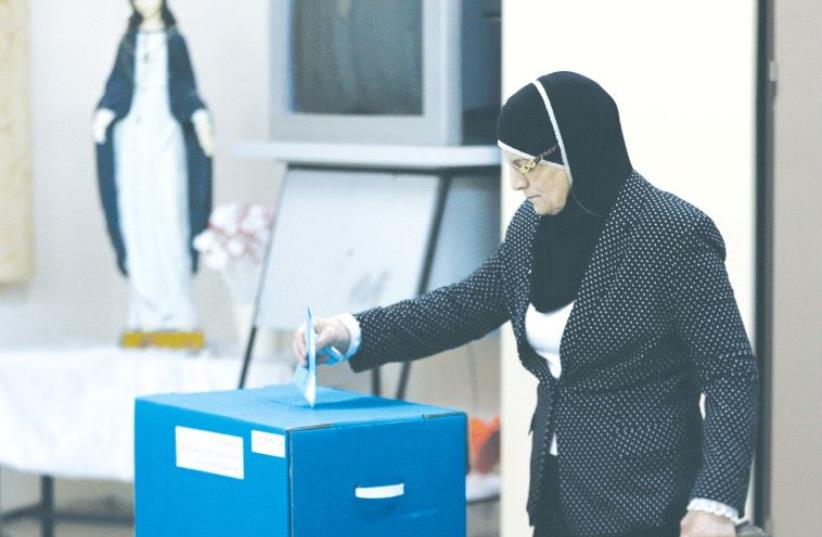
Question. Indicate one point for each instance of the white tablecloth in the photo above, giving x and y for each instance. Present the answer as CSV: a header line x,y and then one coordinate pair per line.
x,y
70,413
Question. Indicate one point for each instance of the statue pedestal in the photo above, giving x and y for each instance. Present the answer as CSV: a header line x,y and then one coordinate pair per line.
x,y
164,339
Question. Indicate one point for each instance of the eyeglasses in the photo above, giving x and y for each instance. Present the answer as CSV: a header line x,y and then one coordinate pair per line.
x,y
531,164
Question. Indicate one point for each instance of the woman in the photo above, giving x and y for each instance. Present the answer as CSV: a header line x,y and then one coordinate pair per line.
x,y
621,307
154,146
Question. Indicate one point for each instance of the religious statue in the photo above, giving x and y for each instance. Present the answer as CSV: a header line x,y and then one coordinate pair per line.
x,y
154,141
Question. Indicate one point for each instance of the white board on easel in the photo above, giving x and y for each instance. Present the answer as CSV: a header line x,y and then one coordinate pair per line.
x,y
344,241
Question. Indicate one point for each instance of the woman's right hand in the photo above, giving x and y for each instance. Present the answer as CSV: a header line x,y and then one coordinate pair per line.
x,y
102,119
330,332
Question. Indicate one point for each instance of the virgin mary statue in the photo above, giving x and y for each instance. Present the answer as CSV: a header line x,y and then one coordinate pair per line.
x,y
154,147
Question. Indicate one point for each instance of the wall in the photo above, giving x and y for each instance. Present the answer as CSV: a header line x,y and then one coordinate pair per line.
x,y
796,435
683,76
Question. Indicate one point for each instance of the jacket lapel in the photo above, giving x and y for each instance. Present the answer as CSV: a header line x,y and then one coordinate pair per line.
x,y
607,255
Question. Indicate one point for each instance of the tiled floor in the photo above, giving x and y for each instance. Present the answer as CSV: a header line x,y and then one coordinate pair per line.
x,y
482,522
27,529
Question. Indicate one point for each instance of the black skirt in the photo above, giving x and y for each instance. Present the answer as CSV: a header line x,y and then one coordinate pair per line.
x,y
550,521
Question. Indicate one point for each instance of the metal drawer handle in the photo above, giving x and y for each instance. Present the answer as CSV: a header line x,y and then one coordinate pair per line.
x,y
380,493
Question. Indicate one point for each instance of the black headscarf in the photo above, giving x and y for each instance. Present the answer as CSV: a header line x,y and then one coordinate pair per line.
x,y
573,111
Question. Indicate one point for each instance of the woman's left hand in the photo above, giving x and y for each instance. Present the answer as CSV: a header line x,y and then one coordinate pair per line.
x,y
703,524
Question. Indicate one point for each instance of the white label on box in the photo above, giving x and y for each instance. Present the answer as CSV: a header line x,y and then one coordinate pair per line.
x,y
206,451
268,444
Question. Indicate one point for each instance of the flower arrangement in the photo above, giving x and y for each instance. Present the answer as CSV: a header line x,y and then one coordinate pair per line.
x,y
234,244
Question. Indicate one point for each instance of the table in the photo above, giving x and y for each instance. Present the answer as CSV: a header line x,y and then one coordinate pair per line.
x,y
69,412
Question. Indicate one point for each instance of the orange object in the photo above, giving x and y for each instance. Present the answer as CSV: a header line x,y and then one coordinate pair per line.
x,y
483,439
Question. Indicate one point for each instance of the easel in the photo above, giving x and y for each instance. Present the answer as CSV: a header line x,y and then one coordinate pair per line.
x,y
444,165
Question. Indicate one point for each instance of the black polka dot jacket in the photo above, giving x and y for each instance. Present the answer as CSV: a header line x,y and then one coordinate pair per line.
x,y
655,323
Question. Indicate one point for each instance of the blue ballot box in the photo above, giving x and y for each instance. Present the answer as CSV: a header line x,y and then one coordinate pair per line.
x,y
262,463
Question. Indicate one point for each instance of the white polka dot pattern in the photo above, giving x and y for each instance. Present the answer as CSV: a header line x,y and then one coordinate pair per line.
x,y
654,323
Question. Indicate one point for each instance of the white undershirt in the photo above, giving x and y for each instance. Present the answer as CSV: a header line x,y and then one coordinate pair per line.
x,y
544,333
